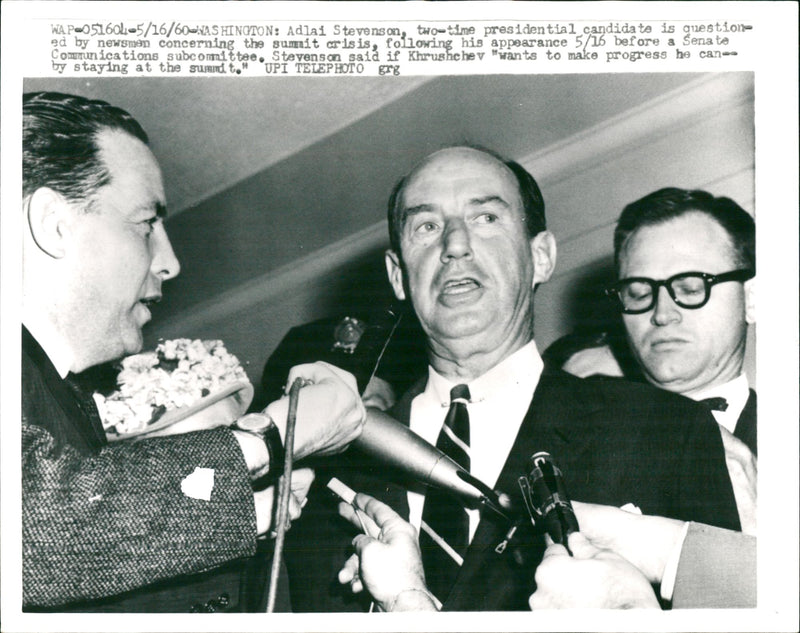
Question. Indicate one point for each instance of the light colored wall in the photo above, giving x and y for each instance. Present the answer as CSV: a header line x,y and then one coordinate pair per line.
x,y
697,136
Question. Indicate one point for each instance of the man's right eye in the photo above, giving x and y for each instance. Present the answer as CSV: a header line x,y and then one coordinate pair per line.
x,y
638,292
150,223
425,227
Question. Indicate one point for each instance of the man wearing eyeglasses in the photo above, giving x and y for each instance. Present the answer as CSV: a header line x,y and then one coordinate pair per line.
x,y
686,263
686,267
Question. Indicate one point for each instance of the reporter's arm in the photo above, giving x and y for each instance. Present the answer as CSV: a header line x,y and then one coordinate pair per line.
x,y
717,570
389,567
646,541
715,567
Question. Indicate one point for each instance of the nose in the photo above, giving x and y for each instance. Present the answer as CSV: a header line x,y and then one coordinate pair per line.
x,y
665,311
164,265
456,241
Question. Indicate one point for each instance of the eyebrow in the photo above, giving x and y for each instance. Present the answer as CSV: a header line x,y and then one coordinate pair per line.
x,y
425,207
488,199
407,212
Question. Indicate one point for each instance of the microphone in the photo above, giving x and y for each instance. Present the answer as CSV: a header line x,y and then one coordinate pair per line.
x,y
396,445
546,499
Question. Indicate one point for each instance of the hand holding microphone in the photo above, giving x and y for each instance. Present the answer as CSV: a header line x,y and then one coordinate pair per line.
x,y
546,500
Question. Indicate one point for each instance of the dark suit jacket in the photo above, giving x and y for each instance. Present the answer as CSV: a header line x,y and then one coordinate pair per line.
x,y
616,443
746,426
100,521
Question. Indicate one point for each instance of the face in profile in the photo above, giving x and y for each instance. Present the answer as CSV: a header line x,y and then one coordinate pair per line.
x,y
122,253
680,349
467,261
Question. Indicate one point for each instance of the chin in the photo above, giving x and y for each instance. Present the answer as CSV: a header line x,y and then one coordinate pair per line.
x,y
466,327
132,342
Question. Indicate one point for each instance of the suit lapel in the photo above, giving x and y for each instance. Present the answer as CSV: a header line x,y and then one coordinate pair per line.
x,y
746,425
559,421
65,418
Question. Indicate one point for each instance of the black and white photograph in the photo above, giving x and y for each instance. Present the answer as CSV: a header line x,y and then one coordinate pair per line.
x,y
424,321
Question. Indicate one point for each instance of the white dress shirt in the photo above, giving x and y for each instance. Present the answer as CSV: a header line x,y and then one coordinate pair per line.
x,y
499,400
736,393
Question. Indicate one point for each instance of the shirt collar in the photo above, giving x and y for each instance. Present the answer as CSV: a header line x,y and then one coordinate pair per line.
x,y
735,393
53,345
523,366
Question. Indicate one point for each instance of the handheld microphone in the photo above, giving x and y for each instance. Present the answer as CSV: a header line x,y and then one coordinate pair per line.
x,y
546,500
396,445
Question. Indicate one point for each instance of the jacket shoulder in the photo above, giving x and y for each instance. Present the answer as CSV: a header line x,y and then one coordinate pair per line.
x,y
622,400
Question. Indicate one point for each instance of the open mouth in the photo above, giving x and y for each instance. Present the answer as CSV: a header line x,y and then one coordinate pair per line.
x,y
460,286
148,303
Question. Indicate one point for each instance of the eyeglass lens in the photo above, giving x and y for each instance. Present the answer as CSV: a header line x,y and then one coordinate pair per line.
x,y
687,290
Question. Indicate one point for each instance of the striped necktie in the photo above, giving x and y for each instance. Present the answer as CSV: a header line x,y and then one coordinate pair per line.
x,y
442,512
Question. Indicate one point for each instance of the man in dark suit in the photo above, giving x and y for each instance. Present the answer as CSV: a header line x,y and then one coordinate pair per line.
x,y
129,526
689,337
469,246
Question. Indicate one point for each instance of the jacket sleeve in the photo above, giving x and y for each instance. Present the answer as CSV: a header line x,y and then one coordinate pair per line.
x,y
717,570
99,525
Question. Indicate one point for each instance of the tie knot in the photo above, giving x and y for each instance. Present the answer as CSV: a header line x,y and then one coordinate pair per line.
x,y
715,404
459,393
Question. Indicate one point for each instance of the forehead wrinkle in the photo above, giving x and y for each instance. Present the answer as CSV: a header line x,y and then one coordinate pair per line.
x,y
476,202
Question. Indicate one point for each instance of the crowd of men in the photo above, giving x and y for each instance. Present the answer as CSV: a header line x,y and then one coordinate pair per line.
x,y
111,527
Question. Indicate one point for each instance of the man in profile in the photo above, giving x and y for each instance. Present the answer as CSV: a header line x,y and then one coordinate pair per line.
x,y
129,526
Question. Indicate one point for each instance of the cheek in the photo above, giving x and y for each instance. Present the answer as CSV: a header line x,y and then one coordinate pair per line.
x,y
636,326
419,268
125,267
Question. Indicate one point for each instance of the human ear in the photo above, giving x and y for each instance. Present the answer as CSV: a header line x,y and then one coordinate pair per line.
x,y
750,300
46,214
394,270
543,252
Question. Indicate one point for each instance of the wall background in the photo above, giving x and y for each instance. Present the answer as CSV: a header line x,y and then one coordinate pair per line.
x,y
697,135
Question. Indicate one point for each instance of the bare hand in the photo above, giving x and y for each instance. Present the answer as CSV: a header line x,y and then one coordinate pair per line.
x,y
592,579
743,471
388,564
330,414
645,541
265,500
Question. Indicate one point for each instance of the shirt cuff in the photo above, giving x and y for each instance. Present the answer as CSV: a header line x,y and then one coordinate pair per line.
x,y
671,567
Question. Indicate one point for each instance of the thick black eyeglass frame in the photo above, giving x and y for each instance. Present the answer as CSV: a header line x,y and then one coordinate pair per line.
x,y
709,280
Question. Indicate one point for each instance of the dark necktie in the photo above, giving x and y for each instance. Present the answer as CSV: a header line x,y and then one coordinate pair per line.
x,y
443,512
88,407
715,404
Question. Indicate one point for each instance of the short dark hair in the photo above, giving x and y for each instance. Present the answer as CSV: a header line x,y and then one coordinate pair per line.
x,y
59,143
671,202
532,199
